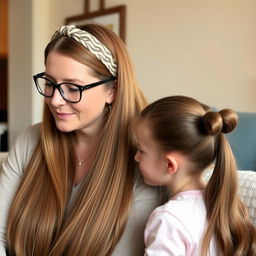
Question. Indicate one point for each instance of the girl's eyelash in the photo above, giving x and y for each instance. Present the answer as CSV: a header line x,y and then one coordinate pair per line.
x,y
140,150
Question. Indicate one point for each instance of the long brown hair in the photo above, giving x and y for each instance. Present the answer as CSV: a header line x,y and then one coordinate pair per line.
x,y
182,124
38,222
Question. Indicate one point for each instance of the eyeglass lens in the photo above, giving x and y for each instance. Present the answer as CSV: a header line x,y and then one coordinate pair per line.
x,y
68,91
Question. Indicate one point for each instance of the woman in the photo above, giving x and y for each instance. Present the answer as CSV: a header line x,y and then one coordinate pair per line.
x,y
69,185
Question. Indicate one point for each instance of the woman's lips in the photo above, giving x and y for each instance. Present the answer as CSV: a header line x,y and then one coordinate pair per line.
x,y
62,115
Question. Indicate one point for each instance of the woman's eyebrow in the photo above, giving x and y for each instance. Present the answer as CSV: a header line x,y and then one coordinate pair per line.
x,y
65,79
48,76
73,80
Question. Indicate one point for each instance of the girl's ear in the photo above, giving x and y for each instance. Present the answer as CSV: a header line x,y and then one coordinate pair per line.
x,y
172,163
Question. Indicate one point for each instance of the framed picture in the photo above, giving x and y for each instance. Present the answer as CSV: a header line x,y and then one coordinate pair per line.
x,y
113,18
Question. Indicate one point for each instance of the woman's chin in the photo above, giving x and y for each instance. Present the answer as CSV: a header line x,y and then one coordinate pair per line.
x,y
64,128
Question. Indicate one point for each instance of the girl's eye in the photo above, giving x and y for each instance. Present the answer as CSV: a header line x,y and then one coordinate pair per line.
x,y
140,150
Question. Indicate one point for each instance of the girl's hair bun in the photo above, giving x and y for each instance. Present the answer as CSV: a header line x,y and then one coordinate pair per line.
x,y
224,121
230,120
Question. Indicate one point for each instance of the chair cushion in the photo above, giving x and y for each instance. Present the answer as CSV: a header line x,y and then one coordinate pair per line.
x,y
2,157
247,190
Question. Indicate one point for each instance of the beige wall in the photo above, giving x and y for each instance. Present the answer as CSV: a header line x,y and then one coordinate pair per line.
x,y
19,67
203,49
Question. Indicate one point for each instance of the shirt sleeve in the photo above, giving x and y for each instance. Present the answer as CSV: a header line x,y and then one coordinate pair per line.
x,y
10,176
165,235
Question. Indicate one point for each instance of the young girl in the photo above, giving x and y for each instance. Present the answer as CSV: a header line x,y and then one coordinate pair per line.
x,y
177,139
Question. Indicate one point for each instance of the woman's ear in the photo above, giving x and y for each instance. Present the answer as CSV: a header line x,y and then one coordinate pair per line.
x,y
111,95
172,163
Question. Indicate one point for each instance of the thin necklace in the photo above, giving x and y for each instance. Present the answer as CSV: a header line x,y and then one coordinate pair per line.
x,y
80,161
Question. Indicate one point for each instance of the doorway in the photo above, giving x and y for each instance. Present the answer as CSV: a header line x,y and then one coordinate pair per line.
x,y
3,75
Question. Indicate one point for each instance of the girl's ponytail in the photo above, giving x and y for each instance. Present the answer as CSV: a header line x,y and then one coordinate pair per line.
x,y
227,218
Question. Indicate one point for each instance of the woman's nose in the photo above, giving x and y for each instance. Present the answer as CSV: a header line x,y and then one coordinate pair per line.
x,y
57,99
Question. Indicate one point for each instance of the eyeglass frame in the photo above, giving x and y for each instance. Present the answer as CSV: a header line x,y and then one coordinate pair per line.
x,y
57,86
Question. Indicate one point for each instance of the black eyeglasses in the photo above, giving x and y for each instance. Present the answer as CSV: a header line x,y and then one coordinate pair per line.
x,y
69,91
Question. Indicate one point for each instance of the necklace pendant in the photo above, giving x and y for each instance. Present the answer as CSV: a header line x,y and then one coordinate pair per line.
x,y
79,163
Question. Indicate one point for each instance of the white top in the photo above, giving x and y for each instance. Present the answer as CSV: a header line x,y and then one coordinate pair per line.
x,y
146,198
176,228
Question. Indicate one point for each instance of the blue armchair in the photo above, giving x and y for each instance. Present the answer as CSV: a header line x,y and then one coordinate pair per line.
x,y
243,141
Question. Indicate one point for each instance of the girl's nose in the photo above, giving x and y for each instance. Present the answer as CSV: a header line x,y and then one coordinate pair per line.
x,y
136,157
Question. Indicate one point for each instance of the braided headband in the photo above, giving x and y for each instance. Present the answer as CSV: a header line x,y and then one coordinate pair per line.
x,y
91,43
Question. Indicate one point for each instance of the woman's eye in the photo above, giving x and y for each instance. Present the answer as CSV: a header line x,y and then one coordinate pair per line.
x,y
73,89
70,88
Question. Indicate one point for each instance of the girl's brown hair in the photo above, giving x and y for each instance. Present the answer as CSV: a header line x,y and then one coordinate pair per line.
x,y
38,222
183,124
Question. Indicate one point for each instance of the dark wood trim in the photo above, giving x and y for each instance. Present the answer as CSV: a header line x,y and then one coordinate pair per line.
x,y
102,5
86,6
3,88
121,10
